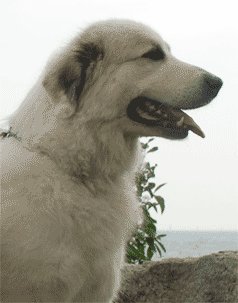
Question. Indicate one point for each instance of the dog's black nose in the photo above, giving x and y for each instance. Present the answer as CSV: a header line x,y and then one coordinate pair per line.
x,y
213,85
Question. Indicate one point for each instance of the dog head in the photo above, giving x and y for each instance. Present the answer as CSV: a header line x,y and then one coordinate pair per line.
x,y
122,74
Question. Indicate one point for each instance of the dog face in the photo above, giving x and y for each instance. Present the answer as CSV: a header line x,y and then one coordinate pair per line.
x,y
123,74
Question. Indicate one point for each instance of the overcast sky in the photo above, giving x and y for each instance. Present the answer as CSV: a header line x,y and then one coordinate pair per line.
x,y
201,174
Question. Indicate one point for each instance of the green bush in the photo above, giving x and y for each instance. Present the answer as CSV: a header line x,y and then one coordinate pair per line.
x,y
146,242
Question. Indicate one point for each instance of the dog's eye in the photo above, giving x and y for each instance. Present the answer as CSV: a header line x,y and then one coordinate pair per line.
x,y
154,54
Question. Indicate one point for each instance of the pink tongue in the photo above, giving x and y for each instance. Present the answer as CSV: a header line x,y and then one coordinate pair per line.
x,y
188,121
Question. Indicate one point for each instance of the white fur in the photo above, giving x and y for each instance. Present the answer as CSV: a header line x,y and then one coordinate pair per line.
x,y
69,204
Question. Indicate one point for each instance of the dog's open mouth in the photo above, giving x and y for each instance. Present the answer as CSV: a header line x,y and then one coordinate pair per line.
x,y
153,113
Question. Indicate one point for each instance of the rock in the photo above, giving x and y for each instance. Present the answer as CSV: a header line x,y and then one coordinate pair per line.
x,y
211,278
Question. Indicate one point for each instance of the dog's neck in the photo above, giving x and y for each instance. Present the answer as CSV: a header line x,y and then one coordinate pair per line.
x,y
84,150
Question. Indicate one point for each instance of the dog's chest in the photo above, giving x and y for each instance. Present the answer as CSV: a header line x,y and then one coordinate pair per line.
x,y
115,212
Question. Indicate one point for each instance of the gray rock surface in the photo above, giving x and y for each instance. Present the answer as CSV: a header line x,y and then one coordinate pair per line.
x,y
211,278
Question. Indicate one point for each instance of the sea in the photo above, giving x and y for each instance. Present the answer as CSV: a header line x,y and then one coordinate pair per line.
x,y
182,244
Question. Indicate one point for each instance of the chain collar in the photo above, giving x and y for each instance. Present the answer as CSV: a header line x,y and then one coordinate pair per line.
x,y
8,134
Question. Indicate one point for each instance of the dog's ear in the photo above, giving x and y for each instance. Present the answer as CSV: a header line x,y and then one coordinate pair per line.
x,y
69,72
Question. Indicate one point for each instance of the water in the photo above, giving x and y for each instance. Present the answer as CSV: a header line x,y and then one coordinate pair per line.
x,y
181,244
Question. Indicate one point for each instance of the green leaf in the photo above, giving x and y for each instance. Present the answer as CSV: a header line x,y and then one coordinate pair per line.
x,y
161,245
147,165
161,236
149,253
150,229
151,175
159,250
153,205
158,187
151,242
160,201
148,218
132,251
153,149
151,185
144,145
137,252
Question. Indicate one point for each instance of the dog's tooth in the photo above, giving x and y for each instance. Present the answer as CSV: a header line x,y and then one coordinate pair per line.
x,y
144,114
180,122
152,107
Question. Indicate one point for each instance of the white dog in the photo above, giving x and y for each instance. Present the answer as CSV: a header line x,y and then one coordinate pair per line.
x,y
69,205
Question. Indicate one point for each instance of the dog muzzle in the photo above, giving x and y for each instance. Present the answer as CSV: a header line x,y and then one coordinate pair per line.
x,y
156,114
